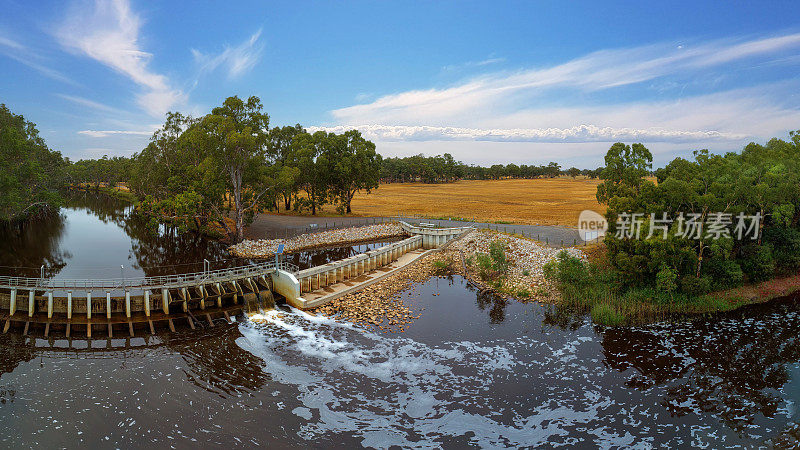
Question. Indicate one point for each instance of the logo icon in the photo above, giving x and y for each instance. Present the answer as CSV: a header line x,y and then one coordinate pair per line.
x,y
591,225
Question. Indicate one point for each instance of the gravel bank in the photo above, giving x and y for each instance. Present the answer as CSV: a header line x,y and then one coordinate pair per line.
x,y
265,248
527,257
379,306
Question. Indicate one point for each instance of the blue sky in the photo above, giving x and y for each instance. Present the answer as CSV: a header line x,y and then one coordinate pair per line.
x,y
527,82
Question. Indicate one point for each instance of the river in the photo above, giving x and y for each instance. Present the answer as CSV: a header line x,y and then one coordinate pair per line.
x,y
473,370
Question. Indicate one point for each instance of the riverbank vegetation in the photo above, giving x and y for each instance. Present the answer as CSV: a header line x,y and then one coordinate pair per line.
x,y
32,174
682,267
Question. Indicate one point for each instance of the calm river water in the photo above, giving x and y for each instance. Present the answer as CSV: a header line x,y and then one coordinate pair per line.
x,y
473,371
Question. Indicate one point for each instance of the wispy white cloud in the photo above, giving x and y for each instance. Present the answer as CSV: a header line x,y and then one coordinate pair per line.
x,y
10,43
484,62
597,71
108,32
236,61
107,133
733,117
88,103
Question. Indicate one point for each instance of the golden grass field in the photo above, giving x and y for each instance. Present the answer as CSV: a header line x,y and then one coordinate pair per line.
x,y
552,201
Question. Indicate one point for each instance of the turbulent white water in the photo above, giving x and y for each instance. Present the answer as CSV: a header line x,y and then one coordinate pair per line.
x,y
392,387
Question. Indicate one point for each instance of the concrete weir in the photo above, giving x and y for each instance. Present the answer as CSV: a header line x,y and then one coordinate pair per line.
x,y
138,303
203,297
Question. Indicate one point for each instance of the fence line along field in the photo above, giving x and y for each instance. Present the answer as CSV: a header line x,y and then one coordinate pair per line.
x,y
546,201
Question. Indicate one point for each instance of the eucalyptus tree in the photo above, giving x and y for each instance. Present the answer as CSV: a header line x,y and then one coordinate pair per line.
x,y
236,135
281,148
312,158
354,166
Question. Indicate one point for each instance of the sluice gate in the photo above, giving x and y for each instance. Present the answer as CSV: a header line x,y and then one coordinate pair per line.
x,y
128,305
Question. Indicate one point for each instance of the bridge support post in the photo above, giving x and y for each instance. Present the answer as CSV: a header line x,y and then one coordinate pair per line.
x,y
89,306
236,290
69,305
128,304
108,304
12,307
50,304
165,300
31,303
147,302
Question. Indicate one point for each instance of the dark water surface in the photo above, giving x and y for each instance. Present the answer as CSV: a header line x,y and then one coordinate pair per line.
x,y
472,371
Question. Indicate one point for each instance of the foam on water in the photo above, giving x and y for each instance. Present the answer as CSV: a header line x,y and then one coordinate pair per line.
x,y
399,391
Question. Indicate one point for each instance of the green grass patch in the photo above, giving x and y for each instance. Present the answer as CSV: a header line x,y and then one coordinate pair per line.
x,y
607,315
443,267
596,289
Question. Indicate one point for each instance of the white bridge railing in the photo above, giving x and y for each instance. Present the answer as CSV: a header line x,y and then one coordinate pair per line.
x,y
166,281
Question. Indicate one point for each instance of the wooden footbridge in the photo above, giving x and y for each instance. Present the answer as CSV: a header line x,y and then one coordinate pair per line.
x,y
133,303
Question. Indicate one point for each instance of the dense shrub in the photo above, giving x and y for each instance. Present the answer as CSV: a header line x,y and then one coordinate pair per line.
x,y
693,285
785,243
757,262
666,280
494,265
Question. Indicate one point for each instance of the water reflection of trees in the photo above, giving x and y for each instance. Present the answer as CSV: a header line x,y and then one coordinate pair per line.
x,y
733,365
107,209
24,248
161,250
565,319
485,300
13,352
214,361
166,250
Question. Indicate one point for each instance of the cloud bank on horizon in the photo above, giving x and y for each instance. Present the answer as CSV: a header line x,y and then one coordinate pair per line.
x,y
116,68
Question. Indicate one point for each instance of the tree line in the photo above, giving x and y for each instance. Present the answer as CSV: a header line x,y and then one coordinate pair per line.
x,y
445,169
716,192
229,165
